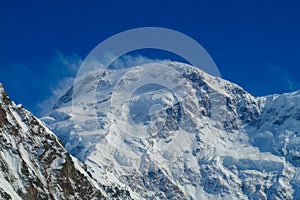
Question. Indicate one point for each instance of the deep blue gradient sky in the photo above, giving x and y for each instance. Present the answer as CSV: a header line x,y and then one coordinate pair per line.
x,y
254,44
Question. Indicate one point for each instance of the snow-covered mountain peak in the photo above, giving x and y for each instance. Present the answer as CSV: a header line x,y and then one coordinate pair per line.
x,y
3,95
1,88
169,130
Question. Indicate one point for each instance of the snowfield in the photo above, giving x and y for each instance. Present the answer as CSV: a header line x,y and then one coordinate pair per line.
x,y
168,130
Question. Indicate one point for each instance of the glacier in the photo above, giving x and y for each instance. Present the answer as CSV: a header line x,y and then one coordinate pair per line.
x,y
168,130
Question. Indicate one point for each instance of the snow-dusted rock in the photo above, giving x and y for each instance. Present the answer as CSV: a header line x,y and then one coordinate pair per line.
x,y
35,165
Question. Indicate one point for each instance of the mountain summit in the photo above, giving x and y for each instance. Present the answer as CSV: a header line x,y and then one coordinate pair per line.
x,y
168,130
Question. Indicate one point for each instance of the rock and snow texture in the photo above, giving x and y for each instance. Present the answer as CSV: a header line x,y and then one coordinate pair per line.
x,y
185,135
34,164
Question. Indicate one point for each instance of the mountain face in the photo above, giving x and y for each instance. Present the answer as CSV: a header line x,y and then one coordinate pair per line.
x,y
34,164
170,131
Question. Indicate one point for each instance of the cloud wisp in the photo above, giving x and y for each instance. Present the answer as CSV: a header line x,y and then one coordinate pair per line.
x,y
68,66
65,67
283,76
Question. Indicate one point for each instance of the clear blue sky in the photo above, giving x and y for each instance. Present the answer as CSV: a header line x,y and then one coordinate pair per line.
x,y
254,44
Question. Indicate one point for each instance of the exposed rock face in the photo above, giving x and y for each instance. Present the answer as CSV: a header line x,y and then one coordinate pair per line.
x,y
35,165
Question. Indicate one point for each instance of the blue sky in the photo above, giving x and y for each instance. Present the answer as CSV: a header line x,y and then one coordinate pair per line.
x,y
254,44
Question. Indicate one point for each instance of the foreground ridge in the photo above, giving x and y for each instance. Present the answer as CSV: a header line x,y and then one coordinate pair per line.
x,y
34,164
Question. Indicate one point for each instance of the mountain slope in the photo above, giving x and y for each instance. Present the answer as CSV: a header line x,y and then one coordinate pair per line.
x,y
170,131
34,164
